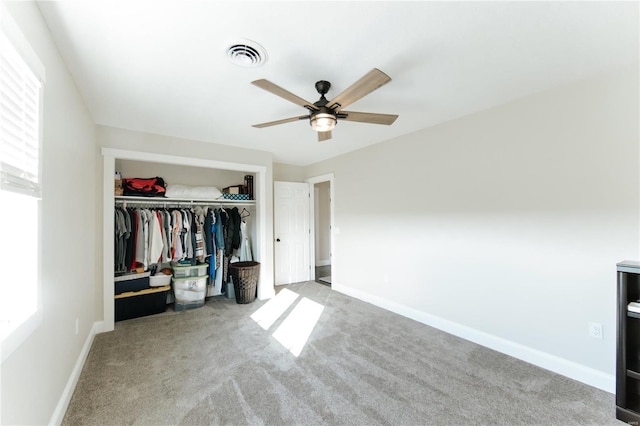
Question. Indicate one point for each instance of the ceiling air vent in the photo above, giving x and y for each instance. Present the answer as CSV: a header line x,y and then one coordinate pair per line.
x,y
247,53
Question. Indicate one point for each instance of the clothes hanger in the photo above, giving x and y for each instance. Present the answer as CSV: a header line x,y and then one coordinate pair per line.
x,y
242,213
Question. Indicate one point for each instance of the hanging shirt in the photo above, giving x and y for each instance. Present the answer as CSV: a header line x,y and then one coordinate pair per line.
x,y
200,247
119,241
131,240
156,245
166,224
147,218
245,246
134,243
177,235
140,239
186,236
209,220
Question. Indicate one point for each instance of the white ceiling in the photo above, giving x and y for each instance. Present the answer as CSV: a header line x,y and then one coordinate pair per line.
x,y
160,66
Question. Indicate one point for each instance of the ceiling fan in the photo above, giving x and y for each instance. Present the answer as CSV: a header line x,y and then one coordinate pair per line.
x,y
323,114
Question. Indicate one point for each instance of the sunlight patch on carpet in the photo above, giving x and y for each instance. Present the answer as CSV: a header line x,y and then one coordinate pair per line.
x,y
295,330
274,308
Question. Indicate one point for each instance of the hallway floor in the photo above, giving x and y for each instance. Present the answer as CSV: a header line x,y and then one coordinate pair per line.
x,y
323,275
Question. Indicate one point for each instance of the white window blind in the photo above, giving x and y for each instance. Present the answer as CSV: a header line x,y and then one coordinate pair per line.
x,y
22,80
20,95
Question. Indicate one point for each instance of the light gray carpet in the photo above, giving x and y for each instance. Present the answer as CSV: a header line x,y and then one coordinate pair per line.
x,y
361,366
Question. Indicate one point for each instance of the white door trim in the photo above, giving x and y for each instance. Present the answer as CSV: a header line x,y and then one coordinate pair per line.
x,y
329,177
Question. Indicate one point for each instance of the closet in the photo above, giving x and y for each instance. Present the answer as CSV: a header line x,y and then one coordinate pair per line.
x,y
192,172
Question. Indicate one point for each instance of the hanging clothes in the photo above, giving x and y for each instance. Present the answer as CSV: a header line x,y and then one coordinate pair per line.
x,y
228,234
131,240
209,220
144,237
234,224
156,241
140,240
176,248
221,221
165,220
122,228
200,250
245,247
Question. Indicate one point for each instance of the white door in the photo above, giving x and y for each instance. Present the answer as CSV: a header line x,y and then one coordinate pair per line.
x,y
291,232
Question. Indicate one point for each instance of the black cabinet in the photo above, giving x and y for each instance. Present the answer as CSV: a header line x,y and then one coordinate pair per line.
x,y
628,344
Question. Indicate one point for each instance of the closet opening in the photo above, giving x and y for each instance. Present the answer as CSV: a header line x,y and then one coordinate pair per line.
x,y
321,212
186,167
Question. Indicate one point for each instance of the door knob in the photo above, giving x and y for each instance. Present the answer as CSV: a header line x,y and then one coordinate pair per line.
x,y
278,239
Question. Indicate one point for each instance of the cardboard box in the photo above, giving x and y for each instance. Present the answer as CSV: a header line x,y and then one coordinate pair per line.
x,y
236,189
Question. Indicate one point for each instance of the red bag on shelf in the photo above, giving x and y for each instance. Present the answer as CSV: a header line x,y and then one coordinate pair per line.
x,y
144,187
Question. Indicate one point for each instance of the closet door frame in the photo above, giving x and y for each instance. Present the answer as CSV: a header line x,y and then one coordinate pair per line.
x,y
263,253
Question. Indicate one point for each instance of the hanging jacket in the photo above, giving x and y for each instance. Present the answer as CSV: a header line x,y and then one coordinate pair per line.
x,y
208,230
232,237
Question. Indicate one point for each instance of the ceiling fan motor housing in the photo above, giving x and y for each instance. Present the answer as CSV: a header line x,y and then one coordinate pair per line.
x,y
323,87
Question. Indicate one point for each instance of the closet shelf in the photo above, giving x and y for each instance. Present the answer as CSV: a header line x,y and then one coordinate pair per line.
x,y
182,201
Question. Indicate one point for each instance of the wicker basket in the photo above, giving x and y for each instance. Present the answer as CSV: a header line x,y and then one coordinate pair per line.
x,y
245,280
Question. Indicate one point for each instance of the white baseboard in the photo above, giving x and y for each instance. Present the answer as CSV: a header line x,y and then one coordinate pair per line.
x,y
324,262
573,370
65,398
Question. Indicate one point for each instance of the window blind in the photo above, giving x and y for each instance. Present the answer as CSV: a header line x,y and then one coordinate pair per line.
x,y
20,95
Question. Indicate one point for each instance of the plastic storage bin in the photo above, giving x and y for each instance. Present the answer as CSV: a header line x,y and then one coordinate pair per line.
x,y
159,280
189,292
182,271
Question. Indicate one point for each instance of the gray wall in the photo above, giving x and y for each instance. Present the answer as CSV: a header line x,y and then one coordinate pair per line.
x,y
506,224
34,376
288,173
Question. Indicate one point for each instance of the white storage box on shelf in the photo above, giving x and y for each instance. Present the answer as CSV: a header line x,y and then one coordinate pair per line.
x,y
182,271
159,280
189,292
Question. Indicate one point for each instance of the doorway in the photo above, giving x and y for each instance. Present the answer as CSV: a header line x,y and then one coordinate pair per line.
x,y
321,212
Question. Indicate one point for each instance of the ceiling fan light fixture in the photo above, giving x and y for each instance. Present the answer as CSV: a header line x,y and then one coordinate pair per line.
x,y
323,122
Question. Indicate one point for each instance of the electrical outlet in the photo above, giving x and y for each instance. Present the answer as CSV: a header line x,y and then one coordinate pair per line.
x,y
595,330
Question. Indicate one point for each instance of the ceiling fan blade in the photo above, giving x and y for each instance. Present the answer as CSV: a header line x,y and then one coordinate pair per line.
x,y
368,117
284,120
324,136
285,94
367,84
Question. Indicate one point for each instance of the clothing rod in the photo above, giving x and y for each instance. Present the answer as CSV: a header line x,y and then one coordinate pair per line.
x,y
182,203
